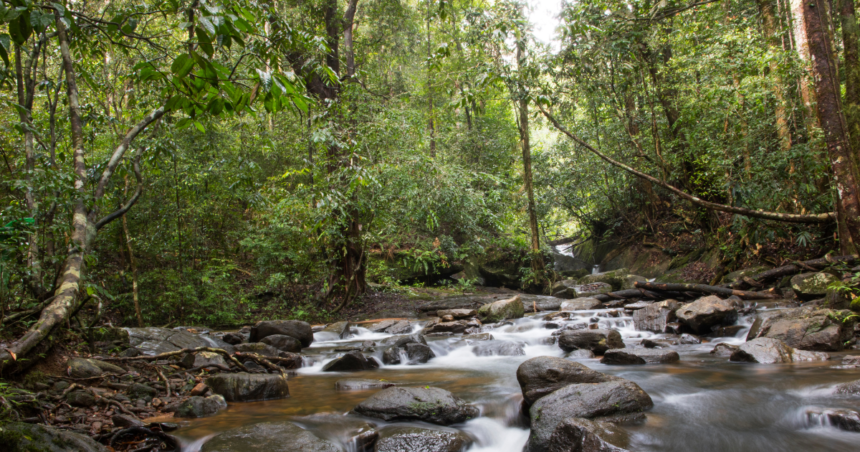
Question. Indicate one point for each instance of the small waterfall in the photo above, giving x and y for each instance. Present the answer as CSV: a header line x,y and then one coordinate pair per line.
x,y
595,270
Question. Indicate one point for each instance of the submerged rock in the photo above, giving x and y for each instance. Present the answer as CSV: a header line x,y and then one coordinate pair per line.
x,y
706,312
597,341
433,405
843,419
497,311
806,328
245,387
640,356
294,328
724,350
417,439
269,436
18,436
543,375
362,384
498,348
766,350
655,316
351,362
197,406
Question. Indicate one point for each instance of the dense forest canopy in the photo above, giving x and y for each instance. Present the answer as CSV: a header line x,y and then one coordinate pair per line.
x,y
200,162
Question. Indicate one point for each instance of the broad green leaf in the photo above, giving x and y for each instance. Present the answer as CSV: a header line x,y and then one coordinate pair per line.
x,y
182,65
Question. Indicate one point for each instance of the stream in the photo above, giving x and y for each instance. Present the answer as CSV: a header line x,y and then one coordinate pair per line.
x,y
702,403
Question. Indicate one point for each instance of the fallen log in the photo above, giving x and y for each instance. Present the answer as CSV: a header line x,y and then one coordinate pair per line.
x,y
702,288
181,352
628,293
791,269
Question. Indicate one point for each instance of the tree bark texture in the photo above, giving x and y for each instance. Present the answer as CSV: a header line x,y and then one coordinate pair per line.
x,y
833,124
851,67
537,259
770,26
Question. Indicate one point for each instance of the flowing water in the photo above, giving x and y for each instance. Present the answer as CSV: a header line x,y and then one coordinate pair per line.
x,y
702,403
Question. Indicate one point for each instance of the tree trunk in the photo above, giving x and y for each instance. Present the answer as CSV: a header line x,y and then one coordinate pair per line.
x,y
132,264
770,25
431,123
801,45
833,124
851,65
537,259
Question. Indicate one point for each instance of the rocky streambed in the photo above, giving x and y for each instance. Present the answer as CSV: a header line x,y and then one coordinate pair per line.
x,y
502,373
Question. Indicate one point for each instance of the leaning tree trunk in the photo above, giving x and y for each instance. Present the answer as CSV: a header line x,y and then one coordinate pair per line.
x,y
833,124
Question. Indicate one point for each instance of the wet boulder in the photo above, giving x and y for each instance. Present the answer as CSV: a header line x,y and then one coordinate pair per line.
x,y
706,312
809,286
233,338
294,328
598,341
455,327
478,337
259,348
806,328
153,341
142,391
202,359
851,388
269,436
583,400
580,354
640,356
540,303
545,374
851,361
614,278
765,350
724,350
360,384
401,327
283,343
339,329
572,289
18,436
88,368
583,435
497,311
403,404
351,362
196,406
396,438
581,304
655,316
843,419
457,313
245,387
498,348
414,352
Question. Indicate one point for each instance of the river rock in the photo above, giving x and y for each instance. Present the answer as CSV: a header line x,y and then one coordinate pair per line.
x,y
245,387
153,341
498,348
614,278
497,311
351,362
259,348
359,384
339,329
540,303
457,313
403,404
597,341
270,437
640,356
233,338
396,438
583,400
765,350
806,328
456,327
581,304
843,419
401,327
851,361
295,328
809,286
724,350
381,326
83,399
655,316
283,343
87,368
200,359
18,436
479,337
545,374
141,391
196,406
583,435
706,312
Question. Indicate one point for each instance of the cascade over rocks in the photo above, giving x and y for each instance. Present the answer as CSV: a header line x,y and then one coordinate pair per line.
x,y
545,374
269,436
498,348
581,304
397,438
765,350
806,328
706,312
640,356
598,341
245,387
294,328
403,404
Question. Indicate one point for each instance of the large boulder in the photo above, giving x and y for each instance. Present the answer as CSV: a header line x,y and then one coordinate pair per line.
x,y
570,288
270,437
196,406
21,437
154,341
294,328
339,329
655,316
403,404
581,304
203,359
351,362
283,343
583,435
640,356
457,313
809,286
583,400
706,312
397,438
415,353
806,328
614,278
598,341
765,350
245,387
545,374
497,311
87,368
498,348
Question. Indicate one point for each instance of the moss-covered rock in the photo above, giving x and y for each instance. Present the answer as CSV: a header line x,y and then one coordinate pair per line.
x,y
196,407
20,437
809,286
614,278
497,311
738,274
806,328
88,368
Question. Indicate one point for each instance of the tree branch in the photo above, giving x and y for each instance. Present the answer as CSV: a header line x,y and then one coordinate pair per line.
x,y
119,152
132,201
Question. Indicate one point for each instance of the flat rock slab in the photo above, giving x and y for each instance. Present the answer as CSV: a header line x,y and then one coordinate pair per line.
x,y
154,341
806,328
86,368
403,404
640,356
245,387
270,437
457,313
417,439
544,375
765,350
359,384
36,437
